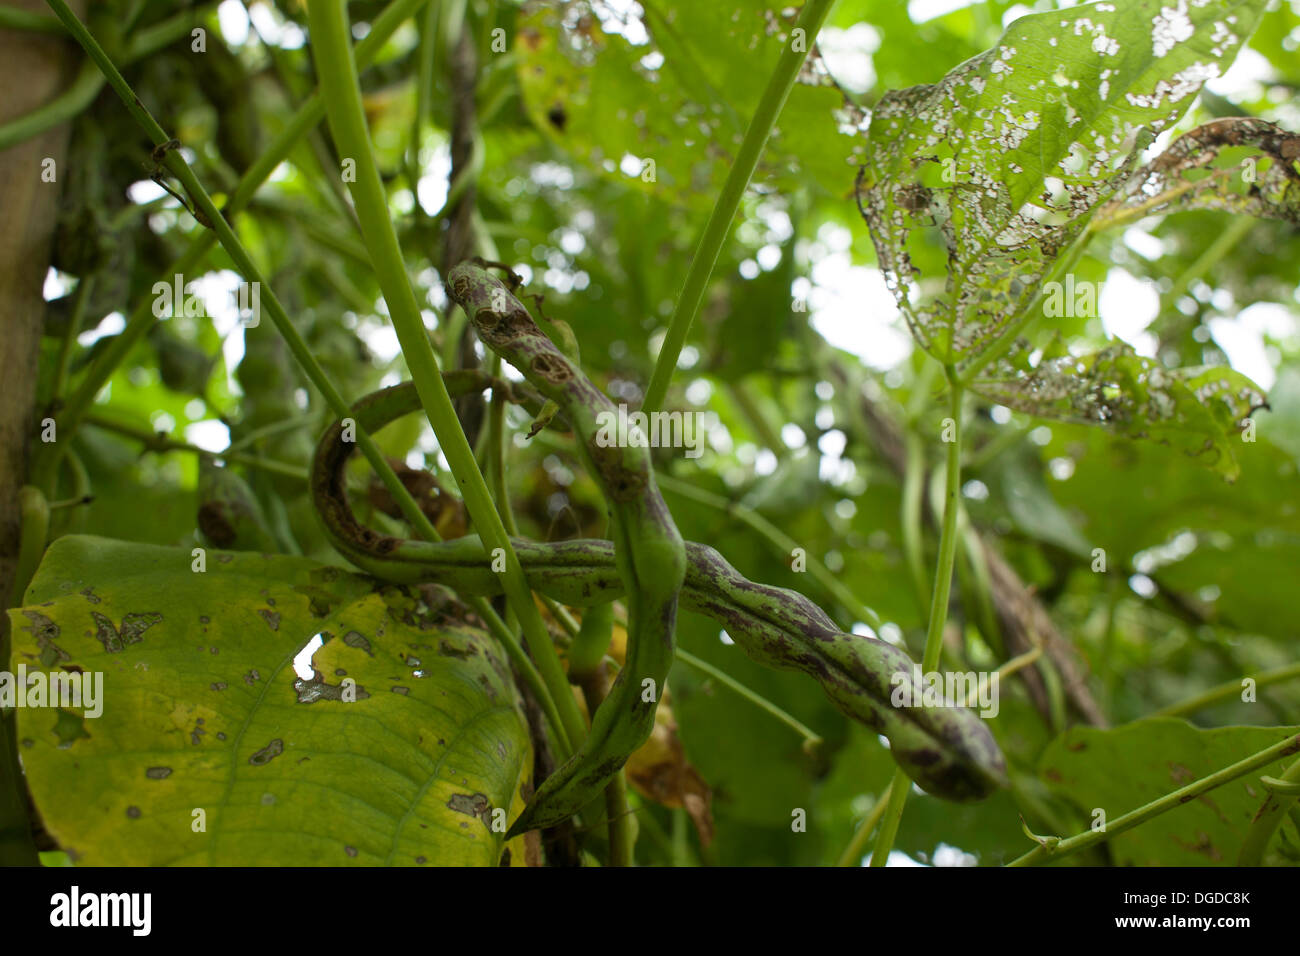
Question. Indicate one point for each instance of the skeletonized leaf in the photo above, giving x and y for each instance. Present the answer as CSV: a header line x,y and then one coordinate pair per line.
x,y
1003,161
1200,411
1241,165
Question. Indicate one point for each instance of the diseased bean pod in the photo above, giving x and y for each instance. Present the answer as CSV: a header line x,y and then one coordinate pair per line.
x,y
947,751
648,550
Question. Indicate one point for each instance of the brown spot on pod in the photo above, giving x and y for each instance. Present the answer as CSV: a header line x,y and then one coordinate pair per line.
x,y
552,369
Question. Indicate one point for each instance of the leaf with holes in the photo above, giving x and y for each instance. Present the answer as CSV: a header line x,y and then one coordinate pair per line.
x,y
1237,164
1002,163
1201,411
400,747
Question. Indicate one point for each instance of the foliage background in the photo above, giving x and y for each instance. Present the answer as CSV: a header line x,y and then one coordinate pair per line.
x,y
1200,573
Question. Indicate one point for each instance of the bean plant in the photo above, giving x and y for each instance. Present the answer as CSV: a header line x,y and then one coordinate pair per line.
x,y
648,557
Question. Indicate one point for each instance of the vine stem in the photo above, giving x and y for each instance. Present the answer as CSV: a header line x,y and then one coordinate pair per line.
x,y
811,738
852,855
45,459
332,52
297,346
1054,847
587,669
724,209
177,165
1226,690
83,90
779,539
12,18
161,442
938,609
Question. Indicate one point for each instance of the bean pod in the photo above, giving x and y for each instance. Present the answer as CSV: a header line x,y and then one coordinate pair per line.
x,y
947,751
648,550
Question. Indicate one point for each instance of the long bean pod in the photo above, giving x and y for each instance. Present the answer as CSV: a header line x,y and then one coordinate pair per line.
x,y
947,751
648,550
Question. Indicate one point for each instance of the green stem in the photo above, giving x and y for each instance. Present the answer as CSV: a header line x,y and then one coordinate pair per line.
x,y
79,301
812,739
898,790
267,431
497,436
938,608
618,819
90,80
1270,815
68,104
1226,691
911,518
161,443
198,195
622,837
767,433
1054,847
857,848
12,18
724,209
332,52
142,319
981,591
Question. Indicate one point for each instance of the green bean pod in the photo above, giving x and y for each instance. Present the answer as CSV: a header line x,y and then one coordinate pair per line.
x,y
949,752
648,550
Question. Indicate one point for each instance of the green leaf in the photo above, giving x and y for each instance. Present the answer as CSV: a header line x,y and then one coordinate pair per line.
x,y
1003,161
1122,769
1201,411
202,710
664,88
